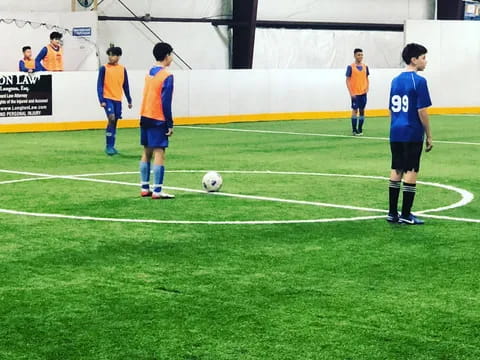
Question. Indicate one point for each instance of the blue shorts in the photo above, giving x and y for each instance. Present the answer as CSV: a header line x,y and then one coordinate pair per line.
x,y
154,137
113,108
359,102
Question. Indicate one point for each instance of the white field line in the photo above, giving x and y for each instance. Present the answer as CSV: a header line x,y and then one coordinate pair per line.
x,y
27,179
25,173
254,172
466,198
240,196
440,217
315,134
188,222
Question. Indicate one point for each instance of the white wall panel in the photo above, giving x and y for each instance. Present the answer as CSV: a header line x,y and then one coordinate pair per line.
x,y
289,88
383,11
208,88
249,92
300,49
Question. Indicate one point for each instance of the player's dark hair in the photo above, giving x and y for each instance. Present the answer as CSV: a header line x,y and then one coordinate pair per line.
x,y
413,51
161,51
114,51
357,50
55,36
25,48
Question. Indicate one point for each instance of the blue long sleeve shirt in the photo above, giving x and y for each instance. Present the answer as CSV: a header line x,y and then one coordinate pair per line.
x,y
38,60
126,88
22,67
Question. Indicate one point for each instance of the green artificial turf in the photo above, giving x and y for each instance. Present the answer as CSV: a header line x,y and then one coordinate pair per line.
x,y
83,289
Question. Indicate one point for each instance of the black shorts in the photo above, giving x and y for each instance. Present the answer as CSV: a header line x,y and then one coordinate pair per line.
x,y
406,155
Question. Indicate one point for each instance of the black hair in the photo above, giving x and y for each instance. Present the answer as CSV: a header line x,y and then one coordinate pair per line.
x,y
357,50
55,36
114,51
161,50
413,51
25,48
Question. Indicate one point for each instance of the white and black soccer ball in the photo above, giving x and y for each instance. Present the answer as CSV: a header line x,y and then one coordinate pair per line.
x,y
212,181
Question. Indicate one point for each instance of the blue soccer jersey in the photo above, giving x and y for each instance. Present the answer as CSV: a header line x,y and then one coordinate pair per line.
x,y
408,93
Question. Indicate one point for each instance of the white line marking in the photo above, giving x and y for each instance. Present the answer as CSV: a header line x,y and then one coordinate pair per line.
x,y
254,172
451,218
314,134
187,222
466,198
240,196
27,179
24,173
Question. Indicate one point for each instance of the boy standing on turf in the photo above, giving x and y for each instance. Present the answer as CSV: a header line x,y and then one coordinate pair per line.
x,y
357,85
409,100
112,83
156,122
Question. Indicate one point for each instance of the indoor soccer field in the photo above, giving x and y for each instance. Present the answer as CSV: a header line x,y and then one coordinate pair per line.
x,y
291,260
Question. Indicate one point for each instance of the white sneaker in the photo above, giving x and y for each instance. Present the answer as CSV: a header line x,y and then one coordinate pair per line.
x,y
162,195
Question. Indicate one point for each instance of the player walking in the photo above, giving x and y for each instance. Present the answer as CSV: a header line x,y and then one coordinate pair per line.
x,y
112,83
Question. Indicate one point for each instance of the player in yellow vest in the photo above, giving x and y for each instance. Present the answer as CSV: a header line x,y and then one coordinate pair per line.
x,y
156,122
27,64
50,58
357,85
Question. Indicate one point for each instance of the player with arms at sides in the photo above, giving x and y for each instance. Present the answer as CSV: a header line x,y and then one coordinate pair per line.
x,y
357,85
156,122
111,85
409,100
50,58
27,64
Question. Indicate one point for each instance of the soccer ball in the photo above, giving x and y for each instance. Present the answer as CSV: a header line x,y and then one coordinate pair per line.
x,y
212,181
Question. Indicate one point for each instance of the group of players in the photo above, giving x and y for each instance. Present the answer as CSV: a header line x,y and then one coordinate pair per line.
x,y
156,121
50,58
409,100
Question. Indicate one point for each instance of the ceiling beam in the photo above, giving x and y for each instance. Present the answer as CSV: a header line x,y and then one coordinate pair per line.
x,y
243,43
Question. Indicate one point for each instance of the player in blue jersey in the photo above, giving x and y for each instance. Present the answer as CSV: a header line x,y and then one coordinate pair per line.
x,y
409,100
